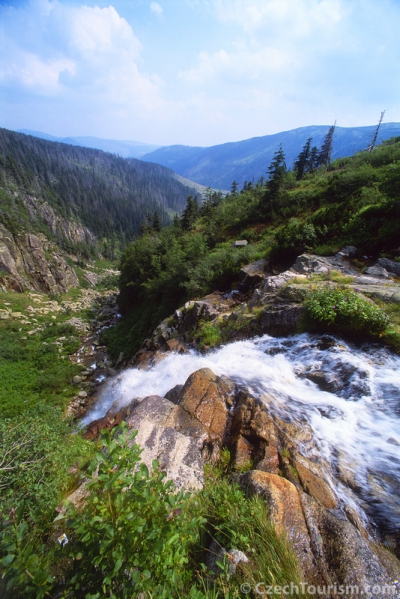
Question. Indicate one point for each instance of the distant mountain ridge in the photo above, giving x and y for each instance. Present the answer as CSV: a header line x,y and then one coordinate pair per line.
x,y
125,149
218,166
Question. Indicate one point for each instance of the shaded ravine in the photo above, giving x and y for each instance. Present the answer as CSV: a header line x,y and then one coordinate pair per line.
x,y
355,419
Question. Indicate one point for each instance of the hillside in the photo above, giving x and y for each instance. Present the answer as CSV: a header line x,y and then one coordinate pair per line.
x,y
218,166
109,195
353,202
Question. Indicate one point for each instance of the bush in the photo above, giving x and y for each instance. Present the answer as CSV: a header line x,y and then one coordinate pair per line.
x,y
344,310
132,535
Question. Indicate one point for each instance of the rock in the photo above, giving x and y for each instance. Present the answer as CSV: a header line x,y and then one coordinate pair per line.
x,y
281,319
350,251
95,427
342,553
309,263
390,265
251,275
216,553
174,394
276,282
325,380
377,271
242,452
315,486
239,244
82,394
270,462
204,396
77,379
285,512
177,454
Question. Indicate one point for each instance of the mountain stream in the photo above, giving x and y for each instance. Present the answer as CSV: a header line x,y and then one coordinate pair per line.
x,y
350,397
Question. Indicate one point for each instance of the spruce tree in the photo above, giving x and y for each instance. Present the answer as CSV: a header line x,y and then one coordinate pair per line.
x,y
326,148
302,162
276,171
157,221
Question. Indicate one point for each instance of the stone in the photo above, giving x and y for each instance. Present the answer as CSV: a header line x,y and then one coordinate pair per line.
x,y
239,244
251,275
203,396
77,379
377,271
281,319
342,553
242,452
350,251
315,486
286,513
270,462
174,394
390,265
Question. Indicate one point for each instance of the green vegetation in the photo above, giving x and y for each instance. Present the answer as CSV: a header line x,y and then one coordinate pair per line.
x,y
108,194
34,365
343,310
135,533
354,201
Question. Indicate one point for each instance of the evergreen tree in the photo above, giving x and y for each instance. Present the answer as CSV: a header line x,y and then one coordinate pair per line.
x,y
302,162
276,171
147,225
234,187
190,213
313,159
157,221
326,148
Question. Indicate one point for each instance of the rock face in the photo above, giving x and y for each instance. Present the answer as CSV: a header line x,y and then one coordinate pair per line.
x,y
31,262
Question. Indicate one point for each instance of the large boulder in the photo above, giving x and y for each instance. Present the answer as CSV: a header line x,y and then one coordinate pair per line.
x,y
281,319
390,265
252,274
178,454
206,396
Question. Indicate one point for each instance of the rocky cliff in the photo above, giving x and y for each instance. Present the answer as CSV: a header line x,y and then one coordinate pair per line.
x,y
33,262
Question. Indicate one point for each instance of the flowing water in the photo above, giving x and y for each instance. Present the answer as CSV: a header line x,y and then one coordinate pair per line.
x,y
355,420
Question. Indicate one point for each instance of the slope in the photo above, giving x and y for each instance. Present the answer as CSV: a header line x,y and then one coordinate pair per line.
x,y
218,166
107,194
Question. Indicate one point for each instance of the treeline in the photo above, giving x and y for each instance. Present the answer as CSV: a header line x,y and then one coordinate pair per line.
x,y
108,194
353,201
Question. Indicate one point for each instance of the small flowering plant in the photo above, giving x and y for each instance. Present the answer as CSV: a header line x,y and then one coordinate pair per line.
x,y
344,310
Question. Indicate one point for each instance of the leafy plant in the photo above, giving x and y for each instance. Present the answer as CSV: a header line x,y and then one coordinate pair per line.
x,y
132,535
345,310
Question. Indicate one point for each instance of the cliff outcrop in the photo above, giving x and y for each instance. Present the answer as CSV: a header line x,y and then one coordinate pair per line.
x,y
29,261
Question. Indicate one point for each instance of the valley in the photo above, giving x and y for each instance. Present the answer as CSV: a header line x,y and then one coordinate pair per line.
x,y
253,343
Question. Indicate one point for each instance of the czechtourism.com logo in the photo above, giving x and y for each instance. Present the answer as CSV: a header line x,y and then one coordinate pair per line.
x,y
303,588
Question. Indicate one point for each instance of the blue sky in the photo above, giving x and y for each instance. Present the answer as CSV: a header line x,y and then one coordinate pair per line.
x,y
196,72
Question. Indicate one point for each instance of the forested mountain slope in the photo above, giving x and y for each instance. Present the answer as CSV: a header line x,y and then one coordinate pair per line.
x,y
109,195
218,166
353,201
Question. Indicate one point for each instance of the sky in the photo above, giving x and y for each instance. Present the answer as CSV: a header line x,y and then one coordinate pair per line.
x,y
196,72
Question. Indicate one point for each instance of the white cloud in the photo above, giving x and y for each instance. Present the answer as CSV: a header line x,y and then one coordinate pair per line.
x,y
87,52
156,9
240,66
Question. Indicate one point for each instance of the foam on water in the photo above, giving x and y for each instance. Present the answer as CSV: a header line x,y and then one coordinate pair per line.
x,y
357,429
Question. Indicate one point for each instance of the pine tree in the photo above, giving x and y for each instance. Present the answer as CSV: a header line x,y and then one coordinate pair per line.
x,y
302,162
276,171
190,213
326,148
157,221
234,187
147,225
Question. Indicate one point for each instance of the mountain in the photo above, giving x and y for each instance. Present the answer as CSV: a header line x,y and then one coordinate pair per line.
x,y
107,194
218,166
125,149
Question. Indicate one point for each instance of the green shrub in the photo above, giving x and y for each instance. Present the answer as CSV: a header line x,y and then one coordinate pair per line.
x,y
132,535
345,310
208,334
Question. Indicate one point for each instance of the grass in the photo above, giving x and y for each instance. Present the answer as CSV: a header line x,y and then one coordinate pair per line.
x,y
34,351
236,521
335,276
